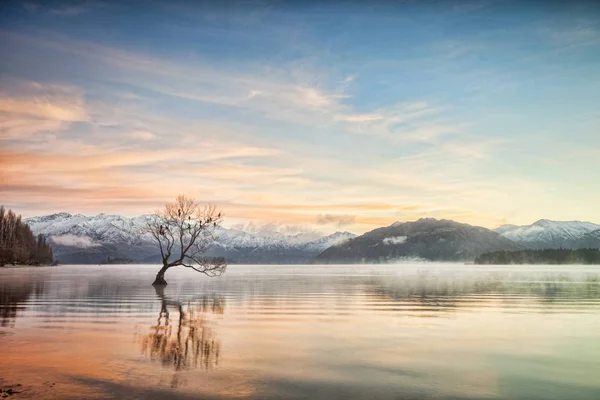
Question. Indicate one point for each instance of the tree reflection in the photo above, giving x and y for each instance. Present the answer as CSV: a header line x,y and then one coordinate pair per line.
x,y
182,337
13,296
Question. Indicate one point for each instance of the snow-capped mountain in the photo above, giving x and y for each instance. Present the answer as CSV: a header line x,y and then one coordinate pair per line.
x,y
553,234
99,229
78,238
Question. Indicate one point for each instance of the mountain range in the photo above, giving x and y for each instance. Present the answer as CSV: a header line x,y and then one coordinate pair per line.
x,y
546,234
76,238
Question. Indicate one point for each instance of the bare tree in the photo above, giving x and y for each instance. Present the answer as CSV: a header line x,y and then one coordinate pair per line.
x,y
184,231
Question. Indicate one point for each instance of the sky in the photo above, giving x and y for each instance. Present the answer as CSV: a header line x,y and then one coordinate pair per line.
x,y
331,115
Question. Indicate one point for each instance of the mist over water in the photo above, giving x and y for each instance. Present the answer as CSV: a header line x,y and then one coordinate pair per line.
x,y
387,331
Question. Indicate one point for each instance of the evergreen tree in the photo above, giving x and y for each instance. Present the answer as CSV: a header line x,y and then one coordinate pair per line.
x,y
543,256
18,245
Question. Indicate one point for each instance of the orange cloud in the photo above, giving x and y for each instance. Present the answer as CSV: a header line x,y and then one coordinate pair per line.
x,y
44,109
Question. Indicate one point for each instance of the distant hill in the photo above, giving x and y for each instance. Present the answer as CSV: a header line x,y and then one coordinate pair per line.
x,y
80,239
547,234
545,256
425,239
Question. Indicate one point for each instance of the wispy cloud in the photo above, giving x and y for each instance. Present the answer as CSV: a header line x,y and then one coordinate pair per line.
x,y
70,9
73,241
395,240
270,95
339,220
584,32
27,108
407,122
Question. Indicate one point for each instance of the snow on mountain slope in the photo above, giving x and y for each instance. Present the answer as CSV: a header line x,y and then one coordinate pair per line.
x,y
100,228
68,231
589,240
233,238
547,234
326,242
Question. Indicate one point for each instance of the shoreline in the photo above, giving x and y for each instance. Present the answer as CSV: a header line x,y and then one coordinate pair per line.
x,y
28,266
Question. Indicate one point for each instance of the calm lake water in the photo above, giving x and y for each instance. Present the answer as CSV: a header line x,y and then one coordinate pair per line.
x,y
302,332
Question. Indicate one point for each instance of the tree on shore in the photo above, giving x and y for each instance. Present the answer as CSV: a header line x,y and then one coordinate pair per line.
x,y
184,231
541,256
18,245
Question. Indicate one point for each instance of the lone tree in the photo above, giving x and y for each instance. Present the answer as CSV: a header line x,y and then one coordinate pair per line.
x,y
184,231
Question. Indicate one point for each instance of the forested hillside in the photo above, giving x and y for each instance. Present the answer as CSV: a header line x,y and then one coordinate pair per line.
x,y
545,256
426,239
18,245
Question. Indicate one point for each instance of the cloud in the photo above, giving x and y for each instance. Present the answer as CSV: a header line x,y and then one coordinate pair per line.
x,y
142,135
30,6
19,128
69,11
324,219
276,95
349,79
404,122
359,118
304,232
28,107
312,97
50,109
270,94
74,241
395,240
66,10
582,33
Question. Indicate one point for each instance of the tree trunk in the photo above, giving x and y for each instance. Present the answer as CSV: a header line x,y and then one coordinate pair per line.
x,y
160,277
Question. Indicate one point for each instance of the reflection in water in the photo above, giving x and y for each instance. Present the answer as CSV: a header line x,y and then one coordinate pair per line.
x,y
14,295
541,291
186,340
303,332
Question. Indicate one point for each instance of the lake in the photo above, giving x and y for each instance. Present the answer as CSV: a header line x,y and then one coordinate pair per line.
x,y
419,331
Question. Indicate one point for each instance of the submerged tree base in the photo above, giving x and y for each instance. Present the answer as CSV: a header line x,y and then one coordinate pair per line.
x,y
160,281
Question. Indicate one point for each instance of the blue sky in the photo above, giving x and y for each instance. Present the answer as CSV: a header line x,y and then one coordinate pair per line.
x,y
330,115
